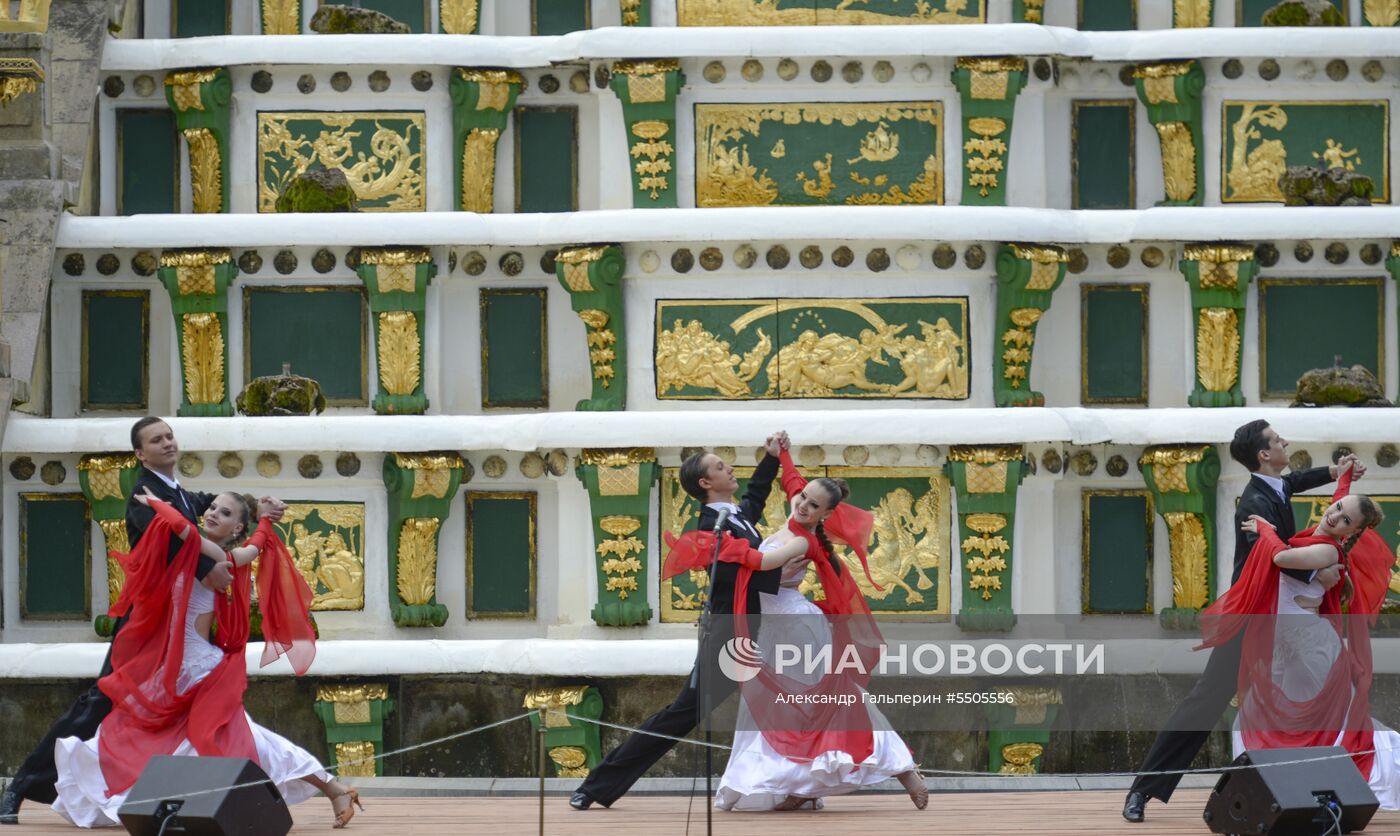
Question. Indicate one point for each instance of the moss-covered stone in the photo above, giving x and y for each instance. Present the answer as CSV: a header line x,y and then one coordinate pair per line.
x,y
283,394
348,20
1303,13
1306,185
1340,386
317,190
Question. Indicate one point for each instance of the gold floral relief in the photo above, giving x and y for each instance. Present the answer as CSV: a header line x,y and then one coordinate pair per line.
x,y
570,760
1035,11
1381,12
281,17
1178,159
380,152
459,17
479,170
326,540
194,257
1019,758
400,352
114,534
619,562
1218,348
202,354
1190,589
658,151
825,12
1191,14
985,153
417,581
206,174
431,476
355,759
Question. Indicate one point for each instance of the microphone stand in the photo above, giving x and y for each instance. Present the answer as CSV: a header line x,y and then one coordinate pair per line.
x,y
700,676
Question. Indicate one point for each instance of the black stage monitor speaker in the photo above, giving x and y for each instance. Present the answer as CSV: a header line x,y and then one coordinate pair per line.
x,y
177,788
1296,798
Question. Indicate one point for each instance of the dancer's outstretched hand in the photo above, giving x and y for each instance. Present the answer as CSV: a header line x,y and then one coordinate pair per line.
x,y
1252,524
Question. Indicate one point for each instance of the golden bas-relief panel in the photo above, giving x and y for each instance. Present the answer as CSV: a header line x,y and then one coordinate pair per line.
x,y
327,542
381,153
813,154
908,552
1261,139
827,12
754,349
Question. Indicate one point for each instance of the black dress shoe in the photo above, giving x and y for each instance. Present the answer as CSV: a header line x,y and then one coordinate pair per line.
x,y
9,807
580,800
1133,806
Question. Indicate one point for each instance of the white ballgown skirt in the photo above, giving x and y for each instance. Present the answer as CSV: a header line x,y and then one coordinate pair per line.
x,y
1305,647
82,789
757,777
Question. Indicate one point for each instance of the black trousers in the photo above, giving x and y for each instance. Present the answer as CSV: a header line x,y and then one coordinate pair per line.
x,y
1187,730
622,766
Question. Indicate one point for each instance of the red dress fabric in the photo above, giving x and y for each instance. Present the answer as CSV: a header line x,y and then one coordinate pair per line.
x,y
1340,712
148,717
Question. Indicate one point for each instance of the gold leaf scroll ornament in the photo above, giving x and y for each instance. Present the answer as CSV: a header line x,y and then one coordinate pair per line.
x,y
984,154
1218,348
114,533
418,560
622,568
1188,546
1178,159
202,343
281,17
459,16
206,176
479,170
1191,14
1381,12
399,363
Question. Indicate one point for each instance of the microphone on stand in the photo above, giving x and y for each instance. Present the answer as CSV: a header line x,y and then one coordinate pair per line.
x,y
723,518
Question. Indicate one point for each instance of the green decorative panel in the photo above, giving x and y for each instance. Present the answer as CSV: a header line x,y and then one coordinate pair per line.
x,y
1117,552
1113,366
750,349
327,541
1103,168
196,18
1262,138
501,533
380,151
414,13
1107,15
811,154
908,554
55,571
514,347
1290,343
546,159
1251,12
319,330
116,349
1308,510
148,162
559,17
828,12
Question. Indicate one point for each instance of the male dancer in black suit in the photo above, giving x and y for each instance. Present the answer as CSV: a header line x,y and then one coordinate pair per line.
x,y
1265,454
707,478
154,444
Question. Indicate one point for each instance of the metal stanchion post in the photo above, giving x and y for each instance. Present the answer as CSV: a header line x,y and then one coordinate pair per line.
x,y
542,760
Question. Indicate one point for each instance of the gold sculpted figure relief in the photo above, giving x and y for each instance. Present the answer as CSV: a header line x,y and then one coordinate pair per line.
x,y
381,154
327,544
1261,136
826,12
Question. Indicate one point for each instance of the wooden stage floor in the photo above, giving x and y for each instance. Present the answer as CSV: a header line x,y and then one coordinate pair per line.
x,y
1069,813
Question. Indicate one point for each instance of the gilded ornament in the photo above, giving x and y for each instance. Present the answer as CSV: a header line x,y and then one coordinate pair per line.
x,y
399,352
989,86
559,697
493,95
1160,89
186,90
281,17
483,76
1019,758
992,65
646,89
104,473
570,760
617,458
479,170
206,174
1162,70
351,693
417,581
652,171
1190,589
380,153
622,567
1217,253
986,478
1381,12
114,535
195,258
1253,173
202,350
1191,14
631,12
18,76
619,481
395,257
431,481
1178,159
1035,11
329,555
986,454
355,759
985,153
195,280
1217,348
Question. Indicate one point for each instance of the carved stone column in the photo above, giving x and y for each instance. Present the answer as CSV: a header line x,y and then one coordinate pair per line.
x,y
421,487
1182,478
986,480
1028,11
593,277
1027,276
107,480
482,99
572,744
354,718
397,280
200,99
1192,14
1219,275
460,17
619,498
1172,92
280,17
636,12
988,89
1019,732
198,281
648,92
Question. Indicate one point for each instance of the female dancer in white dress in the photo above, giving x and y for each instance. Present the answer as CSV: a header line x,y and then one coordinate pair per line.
x,y
1305,670
83,788
758,777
